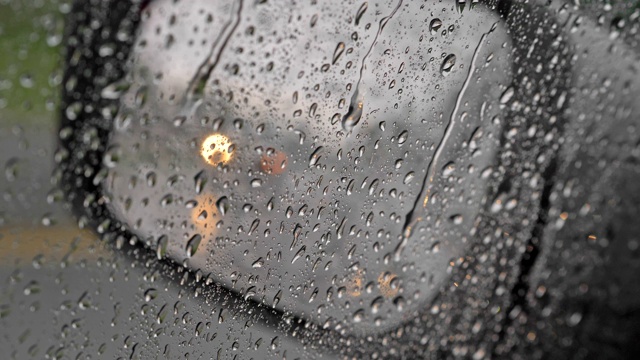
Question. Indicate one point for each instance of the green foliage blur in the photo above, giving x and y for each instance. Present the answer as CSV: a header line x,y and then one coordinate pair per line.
x,y
30,75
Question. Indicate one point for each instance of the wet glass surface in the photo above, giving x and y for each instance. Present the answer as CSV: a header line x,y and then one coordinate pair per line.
x,y
257,179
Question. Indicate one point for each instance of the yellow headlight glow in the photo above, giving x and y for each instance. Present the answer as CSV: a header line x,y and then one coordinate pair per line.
x,y
215,149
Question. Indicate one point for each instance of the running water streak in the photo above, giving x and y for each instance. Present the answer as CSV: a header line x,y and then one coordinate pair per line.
x,y
197,83
417,212
356,104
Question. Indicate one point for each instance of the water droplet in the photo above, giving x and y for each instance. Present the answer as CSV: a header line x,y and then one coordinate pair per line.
x,y
447,64
254,226
166,200
223,205
507,95
409,177
457,219
315,156
151,179
11,169
402,138
47,220
32,287
256,183
353,115
161,251
358,316
37,261
400,303
299,254
199,328
179,121
460,4
434,26
251,292
162,314
150,294
313,295
200,180
448,169
192,245
275,343
114,90
376,304
360,12
258,263
141,96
